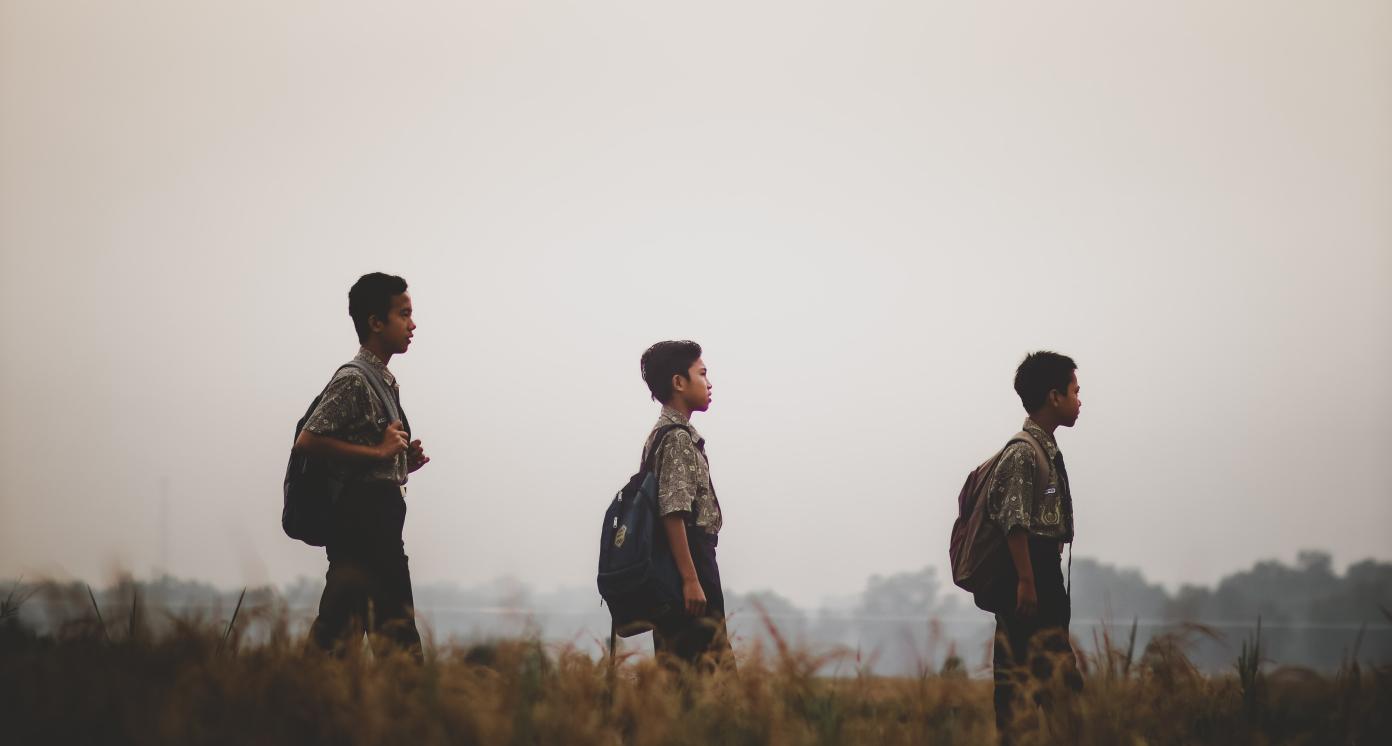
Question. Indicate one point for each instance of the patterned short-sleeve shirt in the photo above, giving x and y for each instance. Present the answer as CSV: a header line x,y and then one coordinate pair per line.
x,y
350,410
1013,501
683,473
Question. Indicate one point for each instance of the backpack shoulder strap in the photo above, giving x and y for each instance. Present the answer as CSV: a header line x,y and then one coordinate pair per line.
x,y
650,464
378,385
650,455
313,405
1044,467
319,396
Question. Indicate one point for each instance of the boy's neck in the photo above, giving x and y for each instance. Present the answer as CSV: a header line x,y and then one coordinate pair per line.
x,y
375,347
677,406
1045,420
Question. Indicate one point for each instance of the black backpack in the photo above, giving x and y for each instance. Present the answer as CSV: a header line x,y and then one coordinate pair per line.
x,y
312,485
638,578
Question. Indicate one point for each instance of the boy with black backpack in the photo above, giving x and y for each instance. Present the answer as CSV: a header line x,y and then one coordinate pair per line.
x,y
1029,502
359,435
686,503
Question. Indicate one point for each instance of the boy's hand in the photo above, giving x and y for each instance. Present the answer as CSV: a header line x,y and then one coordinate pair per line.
x,y
415,457
1026,602
393,441
694,597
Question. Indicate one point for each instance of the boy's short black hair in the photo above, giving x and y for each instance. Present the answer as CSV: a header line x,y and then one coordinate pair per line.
x,y
370,296
664,360
1040,373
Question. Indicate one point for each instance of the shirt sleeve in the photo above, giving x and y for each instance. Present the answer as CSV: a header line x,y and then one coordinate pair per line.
x,y
344,404
1012,488
677,473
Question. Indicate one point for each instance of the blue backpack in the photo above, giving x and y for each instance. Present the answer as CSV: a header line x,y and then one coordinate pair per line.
x,y
312,486
638,578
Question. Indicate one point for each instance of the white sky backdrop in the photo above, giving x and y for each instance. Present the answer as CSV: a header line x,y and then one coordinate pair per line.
x,y
866,212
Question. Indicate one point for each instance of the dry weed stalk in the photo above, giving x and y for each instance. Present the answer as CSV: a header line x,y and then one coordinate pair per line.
x,y
176,686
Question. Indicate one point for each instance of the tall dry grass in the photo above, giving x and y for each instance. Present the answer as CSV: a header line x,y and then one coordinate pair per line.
x,y
108,677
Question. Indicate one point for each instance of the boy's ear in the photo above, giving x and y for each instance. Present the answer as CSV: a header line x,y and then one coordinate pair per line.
x,y
677,380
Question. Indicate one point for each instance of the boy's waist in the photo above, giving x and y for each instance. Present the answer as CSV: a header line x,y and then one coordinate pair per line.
x,y
1045,551
699,535
374,488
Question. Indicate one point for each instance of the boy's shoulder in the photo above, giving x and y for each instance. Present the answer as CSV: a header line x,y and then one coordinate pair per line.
x,y
1020,459
348,375
1019,449
670,432
348,370
678,436
350,382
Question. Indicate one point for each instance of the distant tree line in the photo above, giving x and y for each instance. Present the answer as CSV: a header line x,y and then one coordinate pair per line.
x,y
900,623
1310,615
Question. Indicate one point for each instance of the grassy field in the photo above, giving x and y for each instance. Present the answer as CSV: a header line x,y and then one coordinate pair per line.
x,y
106,678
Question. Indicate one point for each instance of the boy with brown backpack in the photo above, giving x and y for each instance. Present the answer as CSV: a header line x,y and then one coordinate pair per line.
x,y
1015,515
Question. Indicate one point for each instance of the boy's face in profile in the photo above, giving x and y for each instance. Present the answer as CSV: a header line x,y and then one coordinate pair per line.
x,y
1068,406
395,331
695,389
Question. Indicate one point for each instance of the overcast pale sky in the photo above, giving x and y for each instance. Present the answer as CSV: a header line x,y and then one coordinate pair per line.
x,y
866,212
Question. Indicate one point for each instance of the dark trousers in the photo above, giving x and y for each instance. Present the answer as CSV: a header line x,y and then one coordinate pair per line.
x,y
698,640
1033,657
368,586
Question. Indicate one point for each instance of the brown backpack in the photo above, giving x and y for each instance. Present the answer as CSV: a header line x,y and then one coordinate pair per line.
x,y
978,553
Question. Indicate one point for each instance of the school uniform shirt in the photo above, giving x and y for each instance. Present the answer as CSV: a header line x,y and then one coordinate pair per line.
x,y
349,410
1013,500
683,473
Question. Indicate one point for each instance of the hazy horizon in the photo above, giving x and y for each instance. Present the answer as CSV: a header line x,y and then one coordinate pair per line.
x,y
509,586
866,215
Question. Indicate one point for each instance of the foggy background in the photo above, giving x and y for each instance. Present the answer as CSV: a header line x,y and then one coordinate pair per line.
x,y
866,214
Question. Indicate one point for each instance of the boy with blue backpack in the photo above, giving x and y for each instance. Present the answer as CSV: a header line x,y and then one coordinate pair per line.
x,y
346,487
657,563
691,518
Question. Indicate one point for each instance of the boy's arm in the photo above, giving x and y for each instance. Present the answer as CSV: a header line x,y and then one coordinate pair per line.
x,y
1011,507
393,442
1026,599
346,400
676,498
692,594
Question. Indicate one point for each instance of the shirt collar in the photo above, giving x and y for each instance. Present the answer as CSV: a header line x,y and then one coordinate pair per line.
x,y
367,356
671,416
1043,436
